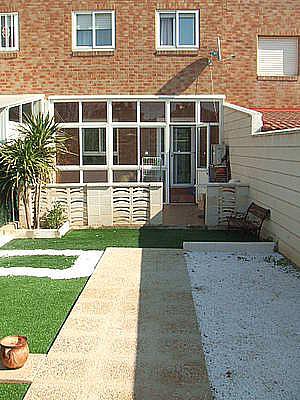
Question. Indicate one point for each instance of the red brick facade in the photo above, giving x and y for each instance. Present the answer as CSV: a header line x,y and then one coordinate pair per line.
x,y
46,64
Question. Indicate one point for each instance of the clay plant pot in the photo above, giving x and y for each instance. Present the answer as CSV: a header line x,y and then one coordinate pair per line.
x,y
14,351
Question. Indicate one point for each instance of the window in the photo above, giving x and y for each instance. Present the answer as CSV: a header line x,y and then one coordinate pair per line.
x,y
152,111
277,56
18,113
94,30
178,30
9,31
94,146
183,112
124,111
72,154
94,112
66,112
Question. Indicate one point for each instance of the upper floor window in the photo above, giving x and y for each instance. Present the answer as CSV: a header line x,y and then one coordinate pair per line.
x,y
278,56
9,32
94,30
177,30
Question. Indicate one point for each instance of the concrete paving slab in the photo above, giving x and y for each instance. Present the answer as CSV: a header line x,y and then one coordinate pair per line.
x,y
25,374
132,335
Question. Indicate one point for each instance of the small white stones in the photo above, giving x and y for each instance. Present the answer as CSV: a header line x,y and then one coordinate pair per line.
x,y
83,266
247,307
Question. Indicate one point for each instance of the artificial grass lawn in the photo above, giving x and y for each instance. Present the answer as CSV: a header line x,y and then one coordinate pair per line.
x,y
36,308
99,239
12,391
55,262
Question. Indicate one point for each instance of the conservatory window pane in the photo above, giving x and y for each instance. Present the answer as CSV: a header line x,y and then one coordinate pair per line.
x,y
14,114
68,177
26,110
94,112
125,176
152,143
66,112
209,111
187,35
183,112
94,146
94,176
152,111
124,111
103,25
125,146
72,157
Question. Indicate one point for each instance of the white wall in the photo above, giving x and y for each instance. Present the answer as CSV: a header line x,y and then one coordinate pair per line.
x,y
270,164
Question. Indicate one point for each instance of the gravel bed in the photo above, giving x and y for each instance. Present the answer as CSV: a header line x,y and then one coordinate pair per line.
x,y
248,312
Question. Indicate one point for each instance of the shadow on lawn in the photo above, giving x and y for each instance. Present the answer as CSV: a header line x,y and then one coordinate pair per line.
x,y
174,238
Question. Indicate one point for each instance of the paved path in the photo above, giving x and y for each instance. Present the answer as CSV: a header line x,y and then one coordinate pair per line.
x,y
132,335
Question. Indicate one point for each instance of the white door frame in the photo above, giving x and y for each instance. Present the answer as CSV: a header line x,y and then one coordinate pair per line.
x,y
192,153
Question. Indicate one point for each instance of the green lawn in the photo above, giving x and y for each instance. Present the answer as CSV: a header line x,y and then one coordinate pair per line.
x,y
98,239
55,262
12,392
36,307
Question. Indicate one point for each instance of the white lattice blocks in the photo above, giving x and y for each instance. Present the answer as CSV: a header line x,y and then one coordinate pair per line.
x,y
223,199
99,206
156,205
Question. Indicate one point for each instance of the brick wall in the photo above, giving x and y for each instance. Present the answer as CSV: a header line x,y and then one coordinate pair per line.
x,y
46,64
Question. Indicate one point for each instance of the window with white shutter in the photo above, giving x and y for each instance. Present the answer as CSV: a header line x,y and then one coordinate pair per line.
x,y
278,56
94,30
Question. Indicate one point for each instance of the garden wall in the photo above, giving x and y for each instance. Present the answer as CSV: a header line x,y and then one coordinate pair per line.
x,y
106,205
270,164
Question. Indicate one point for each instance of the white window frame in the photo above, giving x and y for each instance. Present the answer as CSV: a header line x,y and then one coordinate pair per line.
x,y
177,46
15,17
93,47
266,75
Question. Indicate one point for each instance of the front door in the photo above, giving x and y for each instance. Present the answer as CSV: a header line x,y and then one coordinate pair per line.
x,y
182,164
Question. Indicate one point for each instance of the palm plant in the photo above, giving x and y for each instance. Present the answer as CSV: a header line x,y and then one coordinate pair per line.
x,y
28,162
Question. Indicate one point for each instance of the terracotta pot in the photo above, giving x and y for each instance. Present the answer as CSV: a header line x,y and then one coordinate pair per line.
x,y
14,351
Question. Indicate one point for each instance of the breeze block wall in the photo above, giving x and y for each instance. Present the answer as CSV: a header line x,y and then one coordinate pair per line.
x,y
46,63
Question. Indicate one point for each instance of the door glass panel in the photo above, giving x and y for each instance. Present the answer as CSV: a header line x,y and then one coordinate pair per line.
x,y
202,148
181,139
182,169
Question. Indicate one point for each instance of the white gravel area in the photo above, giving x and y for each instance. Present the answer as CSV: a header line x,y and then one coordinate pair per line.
x,y
83,266
248,312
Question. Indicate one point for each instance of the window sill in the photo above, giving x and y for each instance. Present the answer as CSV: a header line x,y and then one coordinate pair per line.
x,y
292,78
9,54
92,53
177,52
